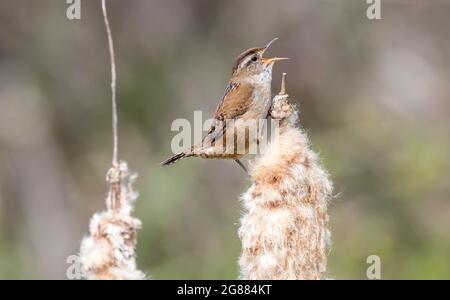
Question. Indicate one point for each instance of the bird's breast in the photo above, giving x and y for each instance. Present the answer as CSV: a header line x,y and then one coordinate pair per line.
x,y
261,102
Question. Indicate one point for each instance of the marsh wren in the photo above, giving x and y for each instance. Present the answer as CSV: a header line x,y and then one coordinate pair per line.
x,y
247,99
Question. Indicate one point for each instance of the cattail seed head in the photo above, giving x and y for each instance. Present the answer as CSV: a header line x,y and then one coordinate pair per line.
x,y
284,231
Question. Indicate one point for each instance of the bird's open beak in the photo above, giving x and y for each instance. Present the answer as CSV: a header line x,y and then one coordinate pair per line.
x,y
269,61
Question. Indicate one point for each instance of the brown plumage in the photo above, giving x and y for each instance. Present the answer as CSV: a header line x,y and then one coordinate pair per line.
x,y
236,101
247,98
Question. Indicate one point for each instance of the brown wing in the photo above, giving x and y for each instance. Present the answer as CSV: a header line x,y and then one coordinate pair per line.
x,y
234,103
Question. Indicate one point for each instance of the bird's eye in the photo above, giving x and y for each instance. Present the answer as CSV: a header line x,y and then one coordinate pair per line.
x,y
255,58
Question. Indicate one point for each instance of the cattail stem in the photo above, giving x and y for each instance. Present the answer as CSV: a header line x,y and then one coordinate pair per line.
x,y
115,161
283,84
284,231
114,173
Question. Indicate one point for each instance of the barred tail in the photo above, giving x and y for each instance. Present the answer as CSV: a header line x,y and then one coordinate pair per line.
x,y
173,159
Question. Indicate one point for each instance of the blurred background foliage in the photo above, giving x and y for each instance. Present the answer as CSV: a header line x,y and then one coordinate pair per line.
x,y
374,97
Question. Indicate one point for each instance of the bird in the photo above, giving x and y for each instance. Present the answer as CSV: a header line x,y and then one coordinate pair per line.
x,y
246,100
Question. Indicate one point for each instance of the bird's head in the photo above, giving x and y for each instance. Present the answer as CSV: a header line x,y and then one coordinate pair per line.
x,y
251,62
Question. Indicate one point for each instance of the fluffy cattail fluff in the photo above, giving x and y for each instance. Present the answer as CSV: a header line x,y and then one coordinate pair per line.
x,y
109,251
284,230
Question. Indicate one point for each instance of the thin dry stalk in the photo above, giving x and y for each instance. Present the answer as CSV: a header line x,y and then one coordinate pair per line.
x,y
109,251
284,231
113,86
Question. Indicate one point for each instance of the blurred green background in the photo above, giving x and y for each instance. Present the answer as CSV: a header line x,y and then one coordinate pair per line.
x,y
374,97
